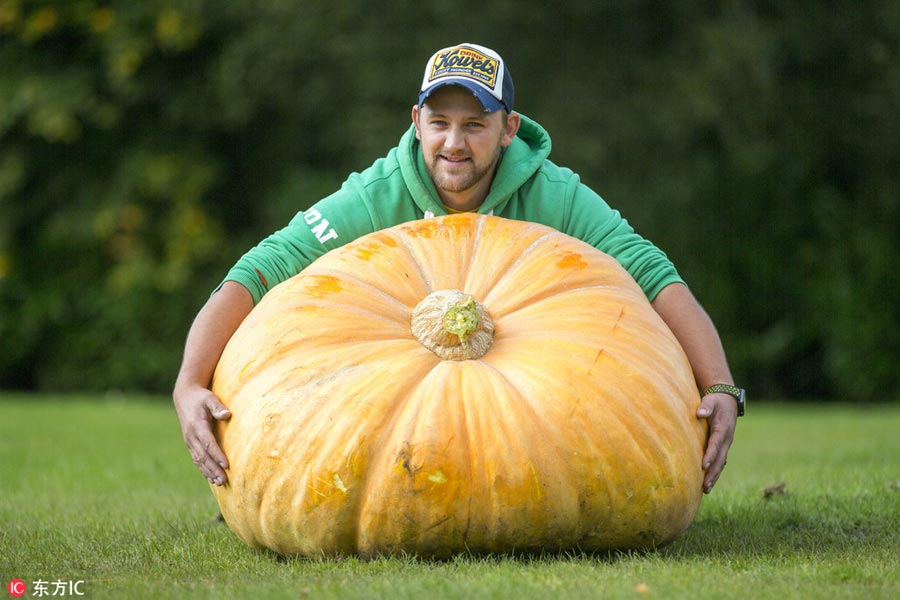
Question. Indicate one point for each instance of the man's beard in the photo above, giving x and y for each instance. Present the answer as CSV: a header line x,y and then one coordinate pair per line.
x,y
458,182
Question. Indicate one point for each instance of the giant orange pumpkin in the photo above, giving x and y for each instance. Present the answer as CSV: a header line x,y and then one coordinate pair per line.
x,y
465,383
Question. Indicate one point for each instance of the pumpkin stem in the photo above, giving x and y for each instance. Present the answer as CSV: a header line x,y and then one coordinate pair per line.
x,y
453,325
461,319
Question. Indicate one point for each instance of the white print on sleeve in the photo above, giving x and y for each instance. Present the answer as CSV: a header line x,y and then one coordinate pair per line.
x,y
321,230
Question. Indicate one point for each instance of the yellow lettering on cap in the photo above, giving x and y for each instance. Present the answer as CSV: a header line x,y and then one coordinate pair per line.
x,y
466,63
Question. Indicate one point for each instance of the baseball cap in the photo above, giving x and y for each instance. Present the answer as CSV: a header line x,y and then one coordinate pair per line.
x,y
474,67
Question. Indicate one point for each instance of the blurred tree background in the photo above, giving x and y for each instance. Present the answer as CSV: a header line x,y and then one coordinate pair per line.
x,y
144,146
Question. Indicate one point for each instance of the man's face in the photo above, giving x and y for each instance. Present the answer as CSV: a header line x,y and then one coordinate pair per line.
x,y
461,144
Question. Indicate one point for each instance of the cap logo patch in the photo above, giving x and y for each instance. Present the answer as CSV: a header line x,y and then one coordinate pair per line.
x,y
467,63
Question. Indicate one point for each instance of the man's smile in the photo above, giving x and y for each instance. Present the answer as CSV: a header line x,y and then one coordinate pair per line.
x,y
455,159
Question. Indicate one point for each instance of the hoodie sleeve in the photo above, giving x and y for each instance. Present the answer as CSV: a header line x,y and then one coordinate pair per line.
x,y
592,220
367,201
330,223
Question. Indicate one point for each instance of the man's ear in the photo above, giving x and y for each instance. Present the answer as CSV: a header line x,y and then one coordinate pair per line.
x,y
415,120
511,128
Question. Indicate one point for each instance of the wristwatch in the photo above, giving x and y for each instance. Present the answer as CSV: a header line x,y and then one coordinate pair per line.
x,y
723,388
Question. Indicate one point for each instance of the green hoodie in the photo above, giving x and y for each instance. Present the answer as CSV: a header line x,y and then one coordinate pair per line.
x,y
397,189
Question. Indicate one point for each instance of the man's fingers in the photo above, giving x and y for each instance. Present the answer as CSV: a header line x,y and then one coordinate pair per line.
x,y
706,408
714,470
210,468
198,409
215,463
218,410
221,413
721,434
712,452
214,452
206,466
714,460
208,456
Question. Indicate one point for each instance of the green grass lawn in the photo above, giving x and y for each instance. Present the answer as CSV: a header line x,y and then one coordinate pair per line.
x,y
103,490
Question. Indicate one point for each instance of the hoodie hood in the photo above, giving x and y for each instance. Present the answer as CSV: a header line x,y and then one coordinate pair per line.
x,y
518,162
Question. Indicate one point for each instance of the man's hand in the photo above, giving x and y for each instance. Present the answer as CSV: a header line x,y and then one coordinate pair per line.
x,y
196,408
720,410
195,404
698,337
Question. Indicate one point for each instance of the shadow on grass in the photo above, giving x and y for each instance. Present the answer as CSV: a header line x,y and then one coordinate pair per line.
x,y
823,525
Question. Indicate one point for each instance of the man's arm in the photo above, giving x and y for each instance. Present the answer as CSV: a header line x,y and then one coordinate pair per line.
x,y
698,336
195,404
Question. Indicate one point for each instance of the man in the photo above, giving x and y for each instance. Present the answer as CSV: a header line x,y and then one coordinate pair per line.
x,y
465,151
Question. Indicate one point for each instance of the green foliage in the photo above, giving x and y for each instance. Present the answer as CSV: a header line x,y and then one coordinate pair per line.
x,y
144,146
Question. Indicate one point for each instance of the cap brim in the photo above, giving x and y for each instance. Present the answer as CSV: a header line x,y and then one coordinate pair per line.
x,y
488,101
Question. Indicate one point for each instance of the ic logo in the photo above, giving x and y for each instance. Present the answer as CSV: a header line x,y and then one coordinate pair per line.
x,y
16,588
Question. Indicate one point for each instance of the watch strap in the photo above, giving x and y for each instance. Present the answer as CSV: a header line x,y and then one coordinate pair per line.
x,y
732,390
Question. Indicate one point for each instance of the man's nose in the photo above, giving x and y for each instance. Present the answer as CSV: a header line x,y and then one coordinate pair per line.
x,y
455,140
